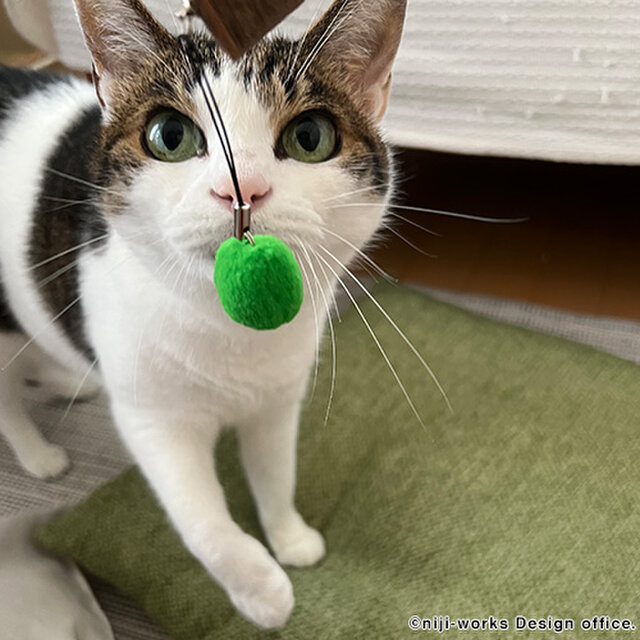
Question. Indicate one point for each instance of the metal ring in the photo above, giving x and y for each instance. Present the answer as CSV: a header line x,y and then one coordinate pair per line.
x,y
249,236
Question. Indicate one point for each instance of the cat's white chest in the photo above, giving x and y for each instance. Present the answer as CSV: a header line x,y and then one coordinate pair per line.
x,y
158,351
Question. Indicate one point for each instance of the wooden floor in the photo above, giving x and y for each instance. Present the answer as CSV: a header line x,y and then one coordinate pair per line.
x,y
579,248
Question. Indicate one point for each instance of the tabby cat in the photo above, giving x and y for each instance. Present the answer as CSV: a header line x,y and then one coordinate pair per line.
x,y
114,201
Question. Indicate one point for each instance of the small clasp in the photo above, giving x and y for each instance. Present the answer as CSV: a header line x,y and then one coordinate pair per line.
x,y
242,221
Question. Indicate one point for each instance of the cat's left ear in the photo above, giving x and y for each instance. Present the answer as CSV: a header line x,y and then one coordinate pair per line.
x,y
358,41
119,34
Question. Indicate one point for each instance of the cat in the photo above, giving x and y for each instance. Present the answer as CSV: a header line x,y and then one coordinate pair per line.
x,y
114,201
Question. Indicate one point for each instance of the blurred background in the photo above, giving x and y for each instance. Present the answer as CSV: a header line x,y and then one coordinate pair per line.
x,y
502,108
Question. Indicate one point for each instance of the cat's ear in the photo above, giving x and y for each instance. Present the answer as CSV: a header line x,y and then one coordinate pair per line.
x,y
119,34
358,40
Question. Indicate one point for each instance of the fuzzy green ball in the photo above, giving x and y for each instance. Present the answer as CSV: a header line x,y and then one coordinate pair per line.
x,y
260,285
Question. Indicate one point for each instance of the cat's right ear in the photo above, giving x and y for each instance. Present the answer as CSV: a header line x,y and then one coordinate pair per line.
x,y
119,34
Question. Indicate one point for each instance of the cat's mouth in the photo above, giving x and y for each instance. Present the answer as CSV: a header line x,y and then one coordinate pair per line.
x,y
299,226
207,248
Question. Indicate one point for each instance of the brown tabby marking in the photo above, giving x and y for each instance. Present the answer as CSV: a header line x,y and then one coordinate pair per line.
x,y
169,79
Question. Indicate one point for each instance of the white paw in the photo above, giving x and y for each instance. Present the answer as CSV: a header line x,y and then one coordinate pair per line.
x,y
45,461
265,594
296,544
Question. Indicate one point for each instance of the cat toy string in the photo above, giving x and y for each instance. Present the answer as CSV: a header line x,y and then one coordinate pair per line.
x,y
241,209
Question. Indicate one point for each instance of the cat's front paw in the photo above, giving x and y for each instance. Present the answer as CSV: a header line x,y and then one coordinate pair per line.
x,y
45,461
295,543
266,598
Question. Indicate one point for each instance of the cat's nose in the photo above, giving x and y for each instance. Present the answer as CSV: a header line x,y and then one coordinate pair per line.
x,y
254,189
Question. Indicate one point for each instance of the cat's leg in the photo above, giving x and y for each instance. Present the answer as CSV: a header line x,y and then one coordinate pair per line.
x,y
178,463
39,457
268,449
55,381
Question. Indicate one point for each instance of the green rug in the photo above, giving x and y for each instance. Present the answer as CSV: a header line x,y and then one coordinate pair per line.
x,y
524,502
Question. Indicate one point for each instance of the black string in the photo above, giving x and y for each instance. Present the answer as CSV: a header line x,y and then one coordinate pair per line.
x,y
225,150
218,122
230,160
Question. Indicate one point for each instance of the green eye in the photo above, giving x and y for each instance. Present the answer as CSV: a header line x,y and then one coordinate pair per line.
x,y
172,137
311,137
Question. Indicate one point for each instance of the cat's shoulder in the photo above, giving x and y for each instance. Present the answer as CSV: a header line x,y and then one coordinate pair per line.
x,y
17,83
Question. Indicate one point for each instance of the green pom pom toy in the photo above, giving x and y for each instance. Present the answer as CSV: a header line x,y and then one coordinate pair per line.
x,y
259,284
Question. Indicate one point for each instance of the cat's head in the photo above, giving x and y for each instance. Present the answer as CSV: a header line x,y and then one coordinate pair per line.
x,y
302,118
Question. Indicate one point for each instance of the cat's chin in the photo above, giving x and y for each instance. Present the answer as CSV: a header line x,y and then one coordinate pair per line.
x,y
202,264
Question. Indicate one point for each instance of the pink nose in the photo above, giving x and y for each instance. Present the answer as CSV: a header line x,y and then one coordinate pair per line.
x,y
253,187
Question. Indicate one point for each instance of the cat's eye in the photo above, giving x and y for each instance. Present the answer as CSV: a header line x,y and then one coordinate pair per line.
x,y
172,137
311,137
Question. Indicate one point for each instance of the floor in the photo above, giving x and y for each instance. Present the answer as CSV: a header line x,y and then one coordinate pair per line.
x,y
577,250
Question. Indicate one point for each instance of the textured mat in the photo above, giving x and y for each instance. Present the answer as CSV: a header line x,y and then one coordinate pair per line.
x,y
525,501
614,335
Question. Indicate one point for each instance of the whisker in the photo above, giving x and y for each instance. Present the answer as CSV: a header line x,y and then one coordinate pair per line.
x,y
350,193
68,200
389,319
56,274
377,342
78,389
70,250
414,224
67,206
332,333
175,263
38,334
315,321
408,242
79,180
362,254
437,212
62,270
462,216
331,289
75,203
